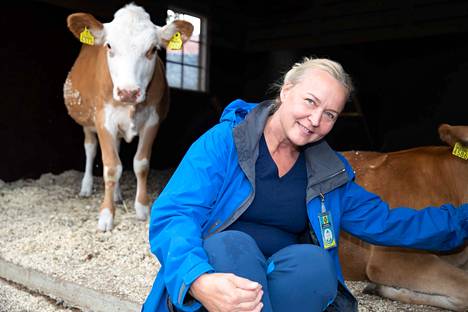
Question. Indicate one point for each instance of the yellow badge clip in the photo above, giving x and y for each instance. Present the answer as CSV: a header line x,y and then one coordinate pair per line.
x,y
86,37
460,151
176,42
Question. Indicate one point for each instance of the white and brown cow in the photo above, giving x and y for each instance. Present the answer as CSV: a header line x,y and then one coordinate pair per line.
x,y
117,89
419,177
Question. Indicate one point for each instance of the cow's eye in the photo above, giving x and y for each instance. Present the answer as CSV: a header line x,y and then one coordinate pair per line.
x,y
109,50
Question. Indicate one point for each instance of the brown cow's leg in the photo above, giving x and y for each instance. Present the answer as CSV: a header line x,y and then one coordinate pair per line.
x,y
458,259
117,192
112,172
354,255
90,145
141,167
418,277
409,296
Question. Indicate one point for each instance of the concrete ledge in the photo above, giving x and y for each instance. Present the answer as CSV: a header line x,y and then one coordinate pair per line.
x,y
72,294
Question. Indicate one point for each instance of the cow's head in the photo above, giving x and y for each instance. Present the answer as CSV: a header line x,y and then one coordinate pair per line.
x,y
131,41
453,134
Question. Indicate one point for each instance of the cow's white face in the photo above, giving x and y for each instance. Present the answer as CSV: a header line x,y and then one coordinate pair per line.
x,y
131,40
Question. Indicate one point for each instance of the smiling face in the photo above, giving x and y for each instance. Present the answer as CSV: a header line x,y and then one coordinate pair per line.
x,y
310,108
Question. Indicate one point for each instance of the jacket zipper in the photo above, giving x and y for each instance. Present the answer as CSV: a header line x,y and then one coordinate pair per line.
x,y
330,176
233,217
322,202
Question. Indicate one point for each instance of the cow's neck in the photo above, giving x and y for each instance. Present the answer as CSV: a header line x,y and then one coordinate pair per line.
x,y
123,119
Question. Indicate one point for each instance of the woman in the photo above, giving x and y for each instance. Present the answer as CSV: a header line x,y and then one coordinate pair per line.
x,y
249,221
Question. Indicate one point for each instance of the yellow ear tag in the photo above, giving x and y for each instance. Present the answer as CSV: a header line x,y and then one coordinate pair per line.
x,y
176,42
86,37
460,151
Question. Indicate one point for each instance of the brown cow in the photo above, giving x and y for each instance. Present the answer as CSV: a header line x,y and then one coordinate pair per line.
x,y
419,177
117,89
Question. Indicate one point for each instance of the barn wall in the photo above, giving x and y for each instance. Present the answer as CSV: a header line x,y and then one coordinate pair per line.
x,y
407,58
34,126
299,24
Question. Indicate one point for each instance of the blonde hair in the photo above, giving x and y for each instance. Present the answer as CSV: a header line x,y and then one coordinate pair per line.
x,y
298,70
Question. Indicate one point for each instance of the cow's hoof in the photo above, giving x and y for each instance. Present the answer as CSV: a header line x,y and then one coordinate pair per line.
x,y
142,211
371,289
85,193
106,220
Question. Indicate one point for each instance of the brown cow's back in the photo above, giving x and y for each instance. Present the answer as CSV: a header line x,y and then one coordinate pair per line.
x,y
419,177
401,179
416,178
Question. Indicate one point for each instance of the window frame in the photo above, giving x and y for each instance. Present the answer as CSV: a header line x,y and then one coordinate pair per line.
x,y
203,64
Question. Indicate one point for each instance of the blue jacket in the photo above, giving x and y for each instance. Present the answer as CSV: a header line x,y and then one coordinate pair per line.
x,y
215,183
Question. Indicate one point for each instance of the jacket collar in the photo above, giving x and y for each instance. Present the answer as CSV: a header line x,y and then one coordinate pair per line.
x,y
325,171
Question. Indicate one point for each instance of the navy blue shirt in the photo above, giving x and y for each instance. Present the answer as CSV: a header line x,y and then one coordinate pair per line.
x,y
278,213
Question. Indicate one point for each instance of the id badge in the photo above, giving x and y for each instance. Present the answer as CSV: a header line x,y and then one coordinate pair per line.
x,y
326,227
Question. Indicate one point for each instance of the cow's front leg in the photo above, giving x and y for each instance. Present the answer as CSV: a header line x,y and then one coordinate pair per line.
x,y
112,172
90,145
141,166
117,191
458,258
418,277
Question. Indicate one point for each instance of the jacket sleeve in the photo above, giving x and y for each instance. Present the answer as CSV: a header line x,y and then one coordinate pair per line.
x,y
180,211
366,216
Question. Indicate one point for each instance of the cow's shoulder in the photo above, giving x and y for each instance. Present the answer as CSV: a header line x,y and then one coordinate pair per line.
x,y
361,159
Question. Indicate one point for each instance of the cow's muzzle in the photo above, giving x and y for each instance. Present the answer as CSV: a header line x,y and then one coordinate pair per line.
x,y
130,96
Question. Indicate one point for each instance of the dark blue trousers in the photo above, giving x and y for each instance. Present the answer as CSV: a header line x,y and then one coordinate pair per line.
x,y
296,278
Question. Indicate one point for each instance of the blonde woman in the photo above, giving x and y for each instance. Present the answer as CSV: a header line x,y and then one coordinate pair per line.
x,y
250,219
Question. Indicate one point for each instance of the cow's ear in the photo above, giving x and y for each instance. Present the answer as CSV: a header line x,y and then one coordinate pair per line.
x,y
77,23
166,32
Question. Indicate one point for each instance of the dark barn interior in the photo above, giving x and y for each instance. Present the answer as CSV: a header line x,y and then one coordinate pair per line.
x,y
408,59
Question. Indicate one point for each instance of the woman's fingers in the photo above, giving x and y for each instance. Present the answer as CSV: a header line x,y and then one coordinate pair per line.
x,y
243,295
244,283
251,305
227,292
258,308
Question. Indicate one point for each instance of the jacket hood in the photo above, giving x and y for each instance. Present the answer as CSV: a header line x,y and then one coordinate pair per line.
x,y
236,111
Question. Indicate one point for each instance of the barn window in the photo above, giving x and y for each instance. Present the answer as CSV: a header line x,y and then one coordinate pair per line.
x,y
186,68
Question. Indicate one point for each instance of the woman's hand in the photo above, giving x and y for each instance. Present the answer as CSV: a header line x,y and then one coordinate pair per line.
x,y
225,292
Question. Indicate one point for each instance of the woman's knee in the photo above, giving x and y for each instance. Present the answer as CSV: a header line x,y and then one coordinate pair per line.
x,y
309,270
306,263
308,256
232,243
307,252
229,238
235,252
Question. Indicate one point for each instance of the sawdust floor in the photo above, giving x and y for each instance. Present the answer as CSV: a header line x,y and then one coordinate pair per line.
x,y
46,226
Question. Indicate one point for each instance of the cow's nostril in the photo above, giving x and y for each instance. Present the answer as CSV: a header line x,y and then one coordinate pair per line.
x,y
135,93
128,95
